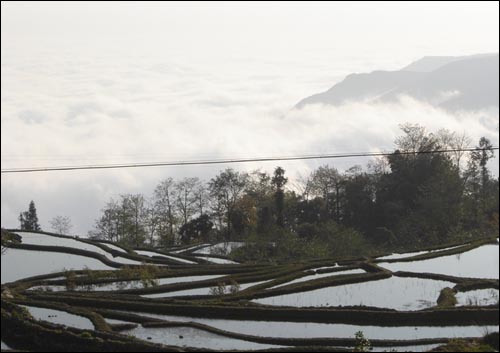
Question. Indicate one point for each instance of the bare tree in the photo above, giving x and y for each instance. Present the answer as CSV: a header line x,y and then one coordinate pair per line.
x,y
186,198
327,182
164,198
61,224
133,215
303,185
107,226
151,221
456,142
123,221
226,189
202,198
415,139
259,185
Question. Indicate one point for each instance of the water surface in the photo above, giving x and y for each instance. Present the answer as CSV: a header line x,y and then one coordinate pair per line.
x,y
18,263
152,253
200,291
216,260
478,297
321,330
220,248
481,262
48,240
192,337
410,254
128,284
60,317
394,293
321,275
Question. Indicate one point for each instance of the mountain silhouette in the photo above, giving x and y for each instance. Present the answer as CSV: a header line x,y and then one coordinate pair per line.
x,y
451,83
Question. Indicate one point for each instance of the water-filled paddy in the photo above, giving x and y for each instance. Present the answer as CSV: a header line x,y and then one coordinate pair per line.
x,y
216,260
394,293
192,337
478,297
325,267
60,317
189,248
18,263
114,247
410,254
152,253
320,330
321,275
220,248
200,291
47,240
128,284
481,262
117,322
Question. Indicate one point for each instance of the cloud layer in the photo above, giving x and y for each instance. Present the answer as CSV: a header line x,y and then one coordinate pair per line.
x,y
63,112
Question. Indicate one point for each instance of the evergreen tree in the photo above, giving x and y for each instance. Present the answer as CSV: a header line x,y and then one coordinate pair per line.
x,y
479,186
196,229
279,182
29,219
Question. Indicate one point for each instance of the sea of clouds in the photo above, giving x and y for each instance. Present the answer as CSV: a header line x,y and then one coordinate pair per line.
x,y
63,110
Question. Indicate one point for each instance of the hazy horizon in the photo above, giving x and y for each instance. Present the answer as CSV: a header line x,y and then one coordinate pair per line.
x,y
133,82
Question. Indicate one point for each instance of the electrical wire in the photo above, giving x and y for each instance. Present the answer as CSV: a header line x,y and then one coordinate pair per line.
x,y
229,161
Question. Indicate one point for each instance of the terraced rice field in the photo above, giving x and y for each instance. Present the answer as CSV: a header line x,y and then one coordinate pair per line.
x,y
69,292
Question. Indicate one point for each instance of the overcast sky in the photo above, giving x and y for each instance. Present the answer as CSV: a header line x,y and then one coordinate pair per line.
x,y
125,82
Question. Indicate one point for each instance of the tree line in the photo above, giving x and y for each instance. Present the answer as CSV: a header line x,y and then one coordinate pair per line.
x,y
414,195
28,220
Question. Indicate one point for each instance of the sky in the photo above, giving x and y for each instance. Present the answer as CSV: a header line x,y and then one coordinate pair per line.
x,y
108,82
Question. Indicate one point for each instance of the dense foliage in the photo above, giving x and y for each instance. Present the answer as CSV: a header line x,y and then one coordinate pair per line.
x,y
29,220
415,196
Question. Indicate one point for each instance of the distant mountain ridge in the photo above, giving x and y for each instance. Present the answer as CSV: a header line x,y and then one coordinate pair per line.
x,y
431,63
452,83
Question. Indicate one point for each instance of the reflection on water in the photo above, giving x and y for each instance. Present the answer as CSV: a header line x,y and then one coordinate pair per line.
x,y
189,248
216,260
321,275
202,291
47,240
114,247
191,337
478,297
318,330
152,253
18,264
410,254
221,248
127,284
395,293
480,262
60,317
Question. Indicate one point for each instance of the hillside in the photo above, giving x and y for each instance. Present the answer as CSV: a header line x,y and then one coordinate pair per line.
x,y
452,83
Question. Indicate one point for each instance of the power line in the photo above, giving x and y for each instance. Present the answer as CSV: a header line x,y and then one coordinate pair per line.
x,y
229,161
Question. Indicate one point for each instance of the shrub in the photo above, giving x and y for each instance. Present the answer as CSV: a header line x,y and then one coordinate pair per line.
x,y
362,343
234,288
70,280
447,298
218,290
